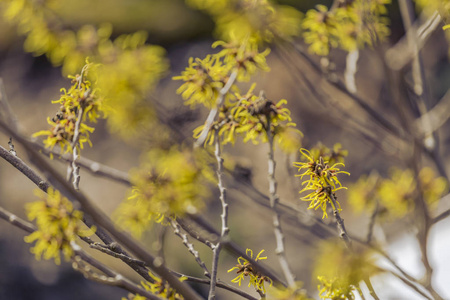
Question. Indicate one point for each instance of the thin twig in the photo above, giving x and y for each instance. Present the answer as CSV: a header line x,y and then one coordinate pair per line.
x,y
107,250
238,251
340,222
401,53
440,217
111,277
351,68
194,234
224,217
344,236
5,108
75,146
21,166
371,225
16,221
411,285
274,199
93,167
189,246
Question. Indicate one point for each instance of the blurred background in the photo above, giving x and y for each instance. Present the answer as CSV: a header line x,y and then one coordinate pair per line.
x,y
321,111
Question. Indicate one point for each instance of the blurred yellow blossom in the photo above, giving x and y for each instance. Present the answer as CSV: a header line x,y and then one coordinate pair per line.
x,y
58,224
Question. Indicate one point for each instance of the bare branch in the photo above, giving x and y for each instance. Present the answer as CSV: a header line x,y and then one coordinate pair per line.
x,y
189,246
94,167
224,217
350,70
274,199
5,108
401,53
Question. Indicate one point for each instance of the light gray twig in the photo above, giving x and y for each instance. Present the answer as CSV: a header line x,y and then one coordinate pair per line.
x,y
274,199
224,216
189,246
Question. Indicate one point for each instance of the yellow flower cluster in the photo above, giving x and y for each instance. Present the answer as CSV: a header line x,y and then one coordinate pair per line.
x,y
249,117
244,268
258,19
349,26
80,96
203,78
168,183
158,287
332,156
340,270
129,68
333,289
58,225
322,183
395,195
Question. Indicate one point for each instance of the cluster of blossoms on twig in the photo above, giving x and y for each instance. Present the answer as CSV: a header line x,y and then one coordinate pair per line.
x,y
349,26
58,224
262,20
245,268
158,287
340,271
249,118
246,115
81,96
321,183
204,78
168,183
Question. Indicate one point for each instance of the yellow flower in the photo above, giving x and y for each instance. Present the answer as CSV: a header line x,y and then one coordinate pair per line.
x,y
58,225
322,183
244,268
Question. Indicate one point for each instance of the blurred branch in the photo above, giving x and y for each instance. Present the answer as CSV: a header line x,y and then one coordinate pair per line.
x,y
401,53
94,167
372,221
337,83
5,108
76,136
274,199
411,285
440,217
435,118
21,166
351,68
